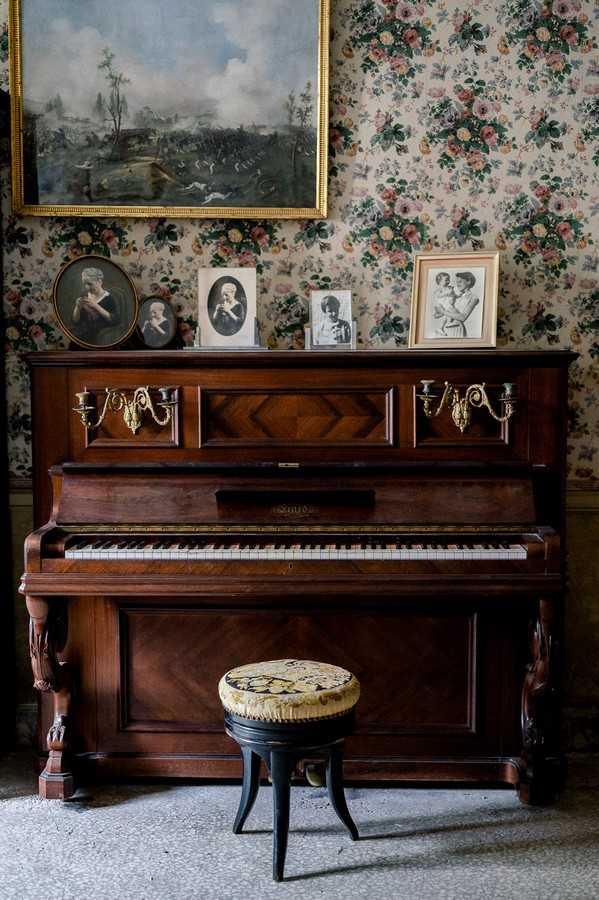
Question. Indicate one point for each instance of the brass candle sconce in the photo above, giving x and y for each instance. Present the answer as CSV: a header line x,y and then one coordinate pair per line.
x,y
134,407
475,396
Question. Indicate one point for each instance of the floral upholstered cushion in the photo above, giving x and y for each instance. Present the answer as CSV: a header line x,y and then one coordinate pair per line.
x,y
288,690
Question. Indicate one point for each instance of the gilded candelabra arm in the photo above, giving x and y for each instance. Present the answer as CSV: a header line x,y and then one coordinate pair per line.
x,y
477,396
427,397
133,407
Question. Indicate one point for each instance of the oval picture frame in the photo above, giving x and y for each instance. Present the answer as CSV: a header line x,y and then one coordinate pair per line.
x,y
95,302
152,321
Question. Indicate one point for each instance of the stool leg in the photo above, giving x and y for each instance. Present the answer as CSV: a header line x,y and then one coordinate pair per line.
x,y
280,773
249,790
336,792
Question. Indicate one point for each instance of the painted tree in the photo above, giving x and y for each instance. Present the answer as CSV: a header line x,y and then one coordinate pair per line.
x,y
100,107
117,102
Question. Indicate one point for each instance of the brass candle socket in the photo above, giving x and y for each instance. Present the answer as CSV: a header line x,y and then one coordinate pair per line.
x,y
133,407
475,396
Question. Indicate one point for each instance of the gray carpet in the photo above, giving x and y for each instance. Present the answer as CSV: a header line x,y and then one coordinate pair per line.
x,y
174,842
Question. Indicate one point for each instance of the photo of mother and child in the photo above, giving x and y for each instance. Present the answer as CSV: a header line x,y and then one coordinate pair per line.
x,y
453,300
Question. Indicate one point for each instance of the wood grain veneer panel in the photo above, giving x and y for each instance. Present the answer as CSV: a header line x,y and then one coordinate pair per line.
x,y
302,418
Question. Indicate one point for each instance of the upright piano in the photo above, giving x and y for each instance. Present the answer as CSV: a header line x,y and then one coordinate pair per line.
x,y
400,514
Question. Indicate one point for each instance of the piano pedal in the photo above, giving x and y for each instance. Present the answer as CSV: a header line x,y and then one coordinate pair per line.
x,y
315,774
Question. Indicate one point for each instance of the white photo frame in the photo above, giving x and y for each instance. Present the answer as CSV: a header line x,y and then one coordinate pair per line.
x,y
331,319
454,300
227,307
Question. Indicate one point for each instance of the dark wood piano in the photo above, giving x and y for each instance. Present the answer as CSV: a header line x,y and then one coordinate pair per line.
x,y
264,505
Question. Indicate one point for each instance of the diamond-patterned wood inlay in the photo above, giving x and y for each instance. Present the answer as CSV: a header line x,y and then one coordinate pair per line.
x,y
296,418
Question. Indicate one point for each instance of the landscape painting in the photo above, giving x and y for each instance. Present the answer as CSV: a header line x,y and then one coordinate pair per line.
x,y
183,108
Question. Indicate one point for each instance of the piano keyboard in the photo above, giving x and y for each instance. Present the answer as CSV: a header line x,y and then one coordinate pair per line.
x,y
192,549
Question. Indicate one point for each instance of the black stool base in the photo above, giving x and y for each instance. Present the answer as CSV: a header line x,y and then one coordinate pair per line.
x,y
282,745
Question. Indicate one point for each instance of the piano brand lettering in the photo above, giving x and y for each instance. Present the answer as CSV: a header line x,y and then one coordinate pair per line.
x,y
293,509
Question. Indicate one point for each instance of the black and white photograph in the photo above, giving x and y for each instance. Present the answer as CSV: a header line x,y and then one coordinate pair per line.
x,y
331,318
454,300
227,307
157,322
95,302
454,303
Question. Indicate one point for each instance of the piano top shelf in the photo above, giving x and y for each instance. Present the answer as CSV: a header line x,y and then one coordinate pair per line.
x,y
404,359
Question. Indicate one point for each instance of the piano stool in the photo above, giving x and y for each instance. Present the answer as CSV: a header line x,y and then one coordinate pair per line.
x,y
282,712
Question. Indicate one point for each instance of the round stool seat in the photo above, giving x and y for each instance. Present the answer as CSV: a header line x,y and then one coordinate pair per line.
x,y
289,690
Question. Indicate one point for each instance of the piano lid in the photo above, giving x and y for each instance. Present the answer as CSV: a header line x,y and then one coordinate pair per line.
x,y
351,495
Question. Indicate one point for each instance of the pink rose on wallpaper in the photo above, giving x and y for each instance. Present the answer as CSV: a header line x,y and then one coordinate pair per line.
x,y
110,239
563,9
403,207
457,215
555,61
389,194
400,64
259,236
564,229
336,138
536,117
36,334
246,259
465,95
551,256
529,245
488,135
558,204
404,12
541,192
481,108
412,38
398,258
410,232
568,34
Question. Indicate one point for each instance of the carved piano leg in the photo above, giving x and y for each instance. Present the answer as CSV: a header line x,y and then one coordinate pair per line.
x,y
47,637
542,766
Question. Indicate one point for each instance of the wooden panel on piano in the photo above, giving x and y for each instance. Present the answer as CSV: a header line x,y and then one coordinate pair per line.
x,y
438,694
483,431
302,418
114,434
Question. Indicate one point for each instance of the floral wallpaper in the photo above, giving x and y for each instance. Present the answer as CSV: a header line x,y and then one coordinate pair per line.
x,y
452,126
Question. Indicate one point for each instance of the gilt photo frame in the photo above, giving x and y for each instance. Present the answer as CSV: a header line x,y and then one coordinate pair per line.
x,y
225,116
95,302
454,300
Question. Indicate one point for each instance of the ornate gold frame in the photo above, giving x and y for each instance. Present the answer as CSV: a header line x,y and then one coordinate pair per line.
x,y
488,258
319,211
65,328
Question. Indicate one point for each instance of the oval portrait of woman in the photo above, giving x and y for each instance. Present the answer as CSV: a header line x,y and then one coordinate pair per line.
x,y
95,302
157,322
227,306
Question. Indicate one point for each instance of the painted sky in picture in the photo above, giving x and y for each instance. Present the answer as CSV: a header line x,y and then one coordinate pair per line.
x,y
236,60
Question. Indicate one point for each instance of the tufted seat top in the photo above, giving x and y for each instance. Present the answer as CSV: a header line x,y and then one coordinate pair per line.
x,y
288,690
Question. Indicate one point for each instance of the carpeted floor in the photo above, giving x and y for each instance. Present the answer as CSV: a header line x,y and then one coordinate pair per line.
x,y
174,842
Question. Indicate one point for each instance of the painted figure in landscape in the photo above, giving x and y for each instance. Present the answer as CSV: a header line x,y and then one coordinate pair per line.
x,y
209,104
